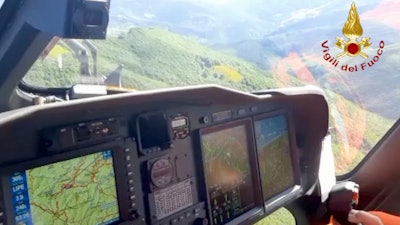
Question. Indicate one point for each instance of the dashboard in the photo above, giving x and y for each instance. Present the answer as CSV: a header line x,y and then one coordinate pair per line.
x,y
193,155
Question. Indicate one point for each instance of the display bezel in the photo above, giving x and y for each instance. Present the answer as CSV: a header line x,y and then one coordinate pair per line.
x,y
120,171
257,210
291,191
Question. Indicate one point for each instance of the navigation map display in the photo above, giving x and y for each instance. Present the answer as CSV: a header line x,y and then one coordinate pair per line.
x,y
274,155
76,191
227,171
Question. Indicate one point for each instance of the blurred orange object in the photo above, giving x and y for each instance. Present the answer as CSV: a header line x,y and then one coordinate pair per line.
x,y
333,221
386,218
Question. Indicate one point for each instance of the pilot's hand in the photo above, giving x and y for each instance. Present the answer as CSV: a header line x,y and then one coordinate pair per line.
x,y
363,217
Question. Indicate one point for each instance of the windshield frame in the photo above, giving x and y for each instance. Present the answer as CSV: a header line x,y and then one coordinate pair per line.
x,y
8,10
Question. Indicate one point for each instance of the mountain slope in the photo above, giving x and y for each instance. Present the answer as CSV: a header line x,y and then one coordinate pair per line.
x,y
176,60
156,58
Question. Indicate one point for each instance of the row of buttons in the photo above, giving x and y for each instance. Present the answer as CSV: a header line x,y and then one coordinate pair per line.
x,y
151,150
182,217
228,114
173,198
131,185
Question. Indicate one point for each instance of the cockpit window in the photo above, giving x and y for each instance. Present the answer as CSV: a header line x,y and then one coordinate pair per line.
x,y
348,49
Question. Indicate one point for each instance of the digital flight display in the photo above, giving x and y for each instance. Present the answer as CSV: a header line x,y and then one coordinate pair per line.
x,y
75,191
228,172
274,155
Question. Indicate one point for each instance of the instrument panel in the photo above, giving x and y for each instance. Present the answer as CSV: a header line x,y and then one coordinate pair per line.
x,y
168,157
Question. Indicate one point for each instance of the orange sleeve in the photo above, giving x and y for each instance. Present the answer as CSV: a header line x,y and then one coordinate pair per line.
x,y
333,221
387,219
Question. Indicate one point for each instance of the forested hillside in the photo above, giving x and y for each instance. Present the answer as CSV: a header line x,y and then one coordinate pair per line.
x,y
157,58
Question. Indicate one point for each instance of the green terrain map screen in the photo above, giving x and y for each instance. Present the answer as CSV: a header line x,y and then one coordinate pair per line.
x,y
76,191
274,155
228,174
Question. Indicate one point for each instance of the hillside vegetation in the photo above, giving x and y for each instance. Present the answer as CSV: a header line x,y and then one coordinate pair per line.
x,y
157,58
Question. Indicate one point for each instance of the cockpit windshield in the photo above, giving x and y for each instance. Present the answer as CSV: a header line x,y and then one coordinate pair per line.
x,y
349,49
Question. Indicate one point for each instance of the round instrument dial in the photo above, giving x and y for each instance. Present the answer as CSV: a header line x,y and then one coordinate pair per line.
x,y
161,173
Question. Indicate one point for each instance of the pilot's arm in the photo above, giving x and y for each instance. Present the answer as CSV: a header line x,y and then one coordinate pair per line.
x,y
386,219
368,218
372,218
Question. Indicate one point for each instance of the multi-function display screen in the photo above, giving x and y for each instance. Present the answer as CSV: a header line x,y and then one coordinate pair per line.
x,y
76,191
274,155
227,172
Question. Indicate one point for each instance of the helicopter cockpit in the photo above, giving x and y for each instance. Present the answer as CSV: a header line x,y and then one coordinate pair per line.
x,y
194,155
198,154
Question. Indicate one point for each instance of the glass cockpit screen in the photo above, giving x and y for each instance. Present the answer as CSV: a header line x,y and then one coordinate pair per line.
x,y
274,155
76,191
227,172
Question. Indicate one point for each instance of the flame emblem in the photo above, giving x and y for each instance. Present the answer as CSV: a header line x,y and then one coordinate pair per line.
x,y
353,30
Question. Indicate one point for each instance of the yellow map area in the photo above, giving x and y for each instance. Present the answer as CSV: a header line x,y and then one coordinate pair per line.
x,y
76,191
